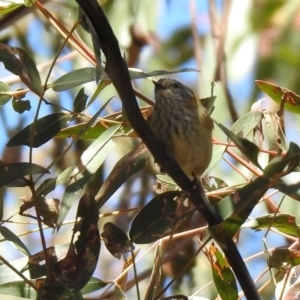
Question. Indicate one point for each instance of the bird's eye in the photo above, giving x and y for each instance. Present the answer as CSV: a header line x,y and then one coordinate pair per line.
x,y
175,85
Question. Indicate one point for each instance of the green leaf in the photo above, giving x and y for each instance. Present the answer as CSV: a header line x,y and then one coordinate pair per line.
x,y
218,151
4,88
128,165
80,101
93,285
8,6
209,103
7,275
10,236
278,94
77,267
29,3
282,257
74,191
82,130
235,208
101,86
73,79
223,276
50,184
40,132
166,183
249,149
21,105
13,171
245,125
137,74
272,132
18,289
48,206
119,294
215,184
156,219
282,222
289,185
17,61
91,133
90,161
277,166
85,75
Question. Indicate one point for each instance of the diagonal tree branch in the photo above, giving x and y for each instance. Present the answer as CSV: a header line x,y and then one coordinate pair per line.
x,y
117,70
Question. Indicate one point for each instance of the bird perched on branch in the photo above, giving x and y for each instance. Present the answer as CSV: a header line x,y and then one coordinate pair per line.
x,y
183,125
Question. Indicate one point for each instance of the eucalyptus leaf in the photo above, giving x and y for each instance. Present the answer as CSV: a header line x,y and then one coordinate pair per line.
x,y
17,61
18,289
290,185
224,279
73,79
137,73
235,208
50,184
249,149
10,236
245,125
282,222
13,171
272,132
93,285
84,75
4,88
6,7
291,100
119,294
128,165
21,106
80,131
90,133
7,275
40,132
278,165
116,240
77,267
209,103
218,152
156,219
279,257
90,161
80,101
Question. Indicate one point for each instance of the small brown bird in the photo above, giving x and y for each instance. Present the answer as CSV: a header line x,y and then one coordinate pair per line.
x,y
183,125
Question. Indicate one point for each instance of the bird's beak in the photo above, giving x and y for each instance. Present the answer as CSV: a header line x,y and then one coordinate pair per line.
x,y
157,85
155,82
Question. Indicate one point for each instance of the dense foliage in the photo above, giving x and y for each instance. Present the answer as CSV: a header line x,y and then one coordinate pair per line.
x,y
95,214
